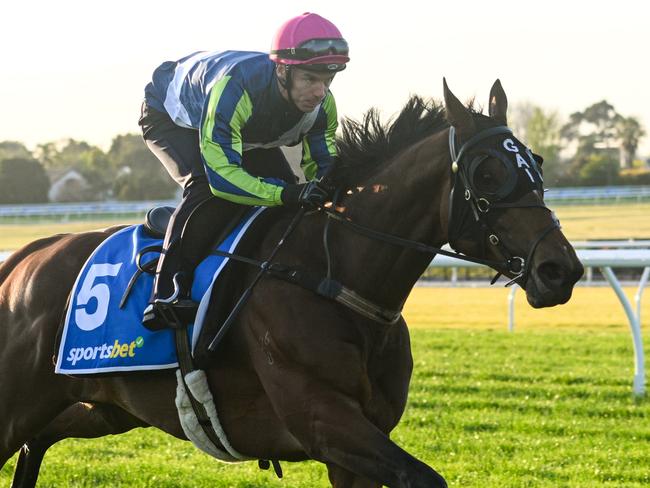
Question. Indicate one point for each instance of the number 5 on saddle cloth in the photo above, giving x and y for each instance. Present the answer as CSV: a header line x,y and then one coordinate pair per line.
x,y
102,331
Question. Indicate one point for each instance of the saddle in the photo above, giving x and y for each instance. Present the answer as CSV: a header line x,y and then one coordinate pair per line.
x,y
227,289
156,221
230,284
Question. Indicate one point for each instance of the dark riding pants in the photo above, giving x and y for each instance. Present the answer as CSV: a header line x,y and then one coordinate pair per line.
x,y
178,150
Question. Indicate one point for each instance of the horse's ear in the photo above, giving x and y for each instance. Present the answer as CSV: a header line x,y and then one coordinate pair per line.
x,y
498,103
457,114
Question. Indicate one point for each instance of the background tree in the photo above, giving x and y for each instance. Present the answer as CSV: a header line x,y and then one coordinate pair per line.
x,y
23,180
596,126
630,131
598,169
138,175
539,129
90,161
593,132
14,149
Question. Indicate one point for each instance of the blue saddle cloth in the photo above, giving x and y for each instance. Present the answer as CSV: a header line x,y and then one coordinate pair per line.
x,y
101,336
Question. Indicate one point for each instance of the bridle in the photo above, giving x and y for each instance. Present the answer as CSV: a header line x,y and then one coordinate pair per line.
x,y
465,163
479,204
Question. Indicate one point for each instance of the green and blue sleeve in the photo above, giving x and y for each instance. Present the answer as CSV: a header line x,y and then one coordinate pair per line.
x,y
229,108
319,144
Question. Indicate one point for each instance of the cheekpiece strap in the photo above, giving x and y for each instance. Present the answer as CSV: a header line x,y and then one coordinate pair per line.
x,y
452,143
492,131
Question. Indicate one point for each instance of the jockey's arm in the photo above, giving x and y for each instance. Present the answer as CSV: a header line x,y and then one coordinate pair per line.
x,y
229,108
319,144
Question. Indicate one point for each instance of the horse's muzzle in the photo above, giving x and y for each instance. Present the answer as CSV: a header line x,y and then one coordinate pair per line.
x,y
552,279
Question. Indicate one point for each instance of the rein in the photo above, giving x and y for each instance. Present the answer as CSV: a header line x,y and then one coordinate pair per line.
x,y
406,243
480,206
332,289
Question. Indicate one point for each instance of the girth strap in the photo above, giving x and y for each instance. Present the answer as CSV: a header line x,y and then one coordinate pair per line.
x,y
334,290
186,366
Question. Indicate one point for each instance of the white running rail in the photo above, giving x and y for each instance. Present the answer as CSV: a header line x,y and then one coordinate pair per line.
x,y
605,260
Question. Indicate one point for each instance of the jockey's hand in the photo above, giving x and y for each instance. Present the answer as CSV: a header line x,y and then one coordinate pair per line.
x,y
312,194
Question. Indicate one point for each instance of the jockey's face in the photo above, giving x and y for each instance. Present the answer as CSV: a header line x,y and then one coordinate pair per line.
x,y
308,88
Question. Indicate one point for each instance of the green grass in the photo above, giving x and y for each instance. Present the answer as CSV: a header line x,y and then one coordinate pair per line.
x,y
487,408
548,406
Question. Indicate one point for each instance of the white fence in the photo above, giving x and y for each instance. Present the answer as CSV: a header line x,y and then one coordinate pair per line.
x,y
605,194
81,209
598,194
605,260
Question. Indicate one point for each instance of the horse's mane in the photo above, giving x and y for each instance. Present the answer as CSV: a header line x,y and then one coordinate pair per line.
x,y
364,145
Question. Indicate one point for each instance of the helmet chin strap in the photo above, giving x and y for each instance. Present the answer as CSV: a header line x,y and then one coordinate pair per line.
x,y
287,84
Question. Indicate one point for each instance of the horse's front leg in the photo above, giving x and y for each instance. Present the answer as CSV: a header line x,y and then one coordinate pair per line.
x,y
342,478
333,429
315,372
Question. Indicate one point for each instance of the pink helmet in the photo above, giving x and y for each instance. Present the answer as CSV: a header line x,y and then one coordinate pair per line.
x,y
311,41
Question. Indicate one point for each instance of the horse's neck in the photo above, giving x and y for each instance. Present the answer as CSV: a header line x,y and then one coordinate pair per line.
x,y
408,199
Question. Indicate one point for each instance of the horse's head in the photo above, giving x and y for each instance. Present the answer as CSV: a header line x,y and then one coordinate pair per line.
x,y
497,208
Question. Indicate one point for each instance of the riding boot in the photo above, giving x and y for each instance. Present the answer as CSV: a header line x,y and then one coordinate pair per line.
x,y
168,266
207,225
171,304
177,310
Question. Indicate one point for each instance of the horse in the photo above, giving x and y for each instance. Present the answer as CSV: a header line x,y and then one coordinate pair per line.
x,y
300,376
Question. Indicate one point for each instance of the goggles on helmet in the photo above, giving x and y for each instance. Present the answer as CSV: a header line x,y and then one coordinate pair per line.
x,y
314,48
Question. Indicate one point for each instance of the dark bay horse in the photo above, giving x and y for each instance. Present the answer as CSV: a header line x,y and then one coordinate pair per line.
x,y
298,376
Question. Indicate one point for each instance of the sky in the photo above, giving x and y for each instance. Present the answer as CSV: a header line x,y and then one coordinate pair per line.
x,y
77,69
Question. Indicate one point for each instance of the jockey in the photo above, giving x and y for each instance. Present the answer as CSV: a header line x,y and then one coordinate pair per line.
x,y
216,121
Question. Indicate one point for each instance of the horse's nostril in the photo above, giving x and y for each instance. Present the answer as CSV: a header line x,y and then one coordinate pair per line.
x,y
551,273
